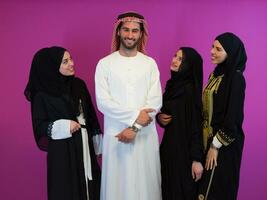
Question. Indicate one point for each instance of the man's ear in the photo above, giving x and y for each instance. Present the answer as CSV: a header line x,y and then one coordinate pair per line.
x,y
141,34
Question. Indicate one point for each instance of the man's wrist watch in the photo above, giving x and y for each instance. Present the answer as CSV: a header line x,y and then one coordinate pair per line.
x,y
134,128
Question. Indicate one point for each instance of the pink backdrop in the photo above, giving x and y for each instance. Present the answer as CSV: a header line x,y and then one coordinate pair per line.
x,y
85,28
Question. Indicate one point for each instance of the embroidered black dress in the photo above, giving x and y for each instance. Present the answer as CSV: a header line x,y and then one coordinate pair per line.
x,y
223,105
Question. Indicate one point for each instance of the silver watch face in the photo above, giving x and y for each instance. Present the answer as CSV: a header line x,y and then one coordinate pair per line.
x,y
135,129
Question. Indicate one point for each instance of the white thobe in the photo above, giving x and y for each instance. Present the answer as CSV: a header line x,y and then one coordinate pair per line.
x,y
124,86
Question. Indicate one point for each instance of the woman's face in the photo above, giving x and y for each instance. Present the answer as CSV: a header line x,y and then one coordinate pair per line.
x,y
176,61
218,54
67,64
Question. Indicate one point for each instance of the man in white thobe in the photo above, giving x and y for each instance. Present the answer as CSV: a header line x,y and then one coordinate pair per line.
x,y
128,93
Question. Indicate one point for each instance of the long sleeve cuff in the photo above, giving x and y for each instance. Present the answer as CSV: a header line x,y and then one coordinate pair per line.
x,y
61,129
98,141
223,138
216,142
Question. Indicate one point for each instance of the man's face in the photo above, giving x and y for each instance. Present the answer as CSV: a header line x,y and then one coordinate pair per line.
x,y
130,35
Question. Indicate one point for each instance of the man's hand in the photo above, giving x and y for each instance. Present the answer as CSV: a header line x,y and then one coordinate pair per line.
x,y
143,118
126,136
164,118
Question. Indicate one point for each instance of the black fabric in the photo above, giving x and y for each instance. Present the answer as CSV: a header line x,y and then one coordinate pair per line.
x,y
232,69
227,116
130,14
45,75
226,176
189,71
235,62
53,97
65,157
236,54
182,139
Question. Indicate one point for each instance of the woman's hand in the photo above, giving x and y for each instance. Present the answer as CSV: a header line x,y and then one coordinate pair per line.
x,y
74,126
211,159
164,119
197,170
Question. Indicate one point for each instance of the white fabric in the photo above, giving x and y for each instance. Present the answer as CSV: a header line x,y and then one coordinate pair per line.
x,y
98,142
86,153
138,125
61,129
124,86
216,142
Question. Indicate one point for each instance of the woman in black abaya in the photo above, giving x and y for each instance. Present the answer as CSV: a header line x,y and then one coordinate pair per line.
x,y
223,105
65,125
181,148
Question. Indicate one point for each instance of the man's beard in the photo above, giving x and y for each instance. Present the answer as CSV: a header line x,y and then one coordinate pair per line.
x,y
129,47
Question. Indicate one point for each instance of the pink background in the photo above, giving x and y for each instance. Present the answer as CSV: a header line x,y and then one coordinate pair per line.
x,y
85,27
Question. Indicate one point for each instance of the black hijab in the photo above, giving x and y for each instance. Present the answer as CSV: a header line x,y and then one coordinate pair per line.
x,y
236,55
235,62
45,76
191,70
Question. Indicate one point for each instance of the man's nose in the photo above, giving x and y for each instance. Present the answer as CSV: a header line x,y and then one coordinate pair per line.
x,y
130,35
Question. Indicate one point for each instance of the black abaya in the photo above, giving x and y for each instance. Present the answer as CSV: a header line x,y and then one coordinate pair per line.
x,y
65,168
